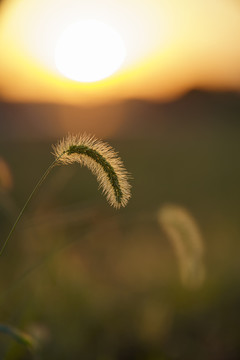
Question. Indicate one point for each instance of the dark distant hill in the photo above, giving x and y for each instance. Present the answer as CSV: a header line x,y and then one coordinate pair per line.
x,y
196,110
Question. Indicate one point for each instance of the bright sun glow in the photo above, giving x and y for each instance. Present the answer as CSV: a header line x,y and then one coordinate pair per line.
x,y
158,49
89,51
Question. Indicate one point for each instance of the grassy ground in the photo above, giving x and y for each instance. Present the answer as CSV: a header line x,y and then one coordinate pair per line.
x,y
90,282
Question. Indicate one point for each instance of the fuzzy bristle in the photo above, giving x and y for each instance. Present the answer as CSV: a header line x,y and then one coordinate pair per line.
x,y
103,162
183,232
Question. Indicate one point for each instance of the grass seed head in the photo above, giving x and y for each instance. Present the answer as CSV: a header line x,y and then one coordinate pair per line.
x,y
103,162
183,232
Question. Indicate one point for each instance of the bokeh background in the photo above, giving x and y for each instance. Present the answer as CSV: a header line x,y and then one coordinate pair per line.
x,y
87,281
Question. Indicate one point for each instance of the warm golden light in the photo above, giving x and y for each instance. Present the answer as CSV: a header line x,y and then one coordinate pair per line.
x,y
89,51
170,48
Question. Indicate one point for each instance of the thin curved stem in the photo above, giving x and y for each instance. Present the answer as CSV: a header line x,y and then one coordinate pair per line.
x,y
28,200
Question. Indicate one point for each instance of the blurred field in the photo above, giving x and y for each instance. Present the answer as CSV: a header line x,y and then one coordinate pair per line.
x,y
90,282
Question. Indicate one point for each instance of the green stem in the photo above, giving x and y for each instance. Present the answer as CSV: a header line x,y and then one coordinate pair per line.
x,y
16,334
28,200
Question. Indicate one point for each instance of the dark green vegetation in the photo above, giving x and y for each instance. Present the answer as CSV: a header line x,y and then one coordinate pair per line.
x,y
90,282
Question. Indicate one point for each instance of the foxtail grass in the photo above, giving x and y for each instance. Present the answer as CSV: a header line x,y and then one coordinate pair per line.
x,y
102,161
185,237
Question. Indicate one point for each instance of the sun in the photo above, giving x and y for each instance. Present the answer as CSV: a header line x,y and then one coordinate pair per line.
x,y
89,51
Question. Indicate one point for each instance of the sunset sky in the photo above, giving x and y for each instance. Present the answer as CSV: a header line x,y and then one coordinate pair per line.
x,y
171,46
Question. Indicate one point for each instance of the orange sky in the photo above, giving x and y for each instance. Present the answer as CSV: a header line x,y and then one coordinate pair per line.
x,y
171,46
